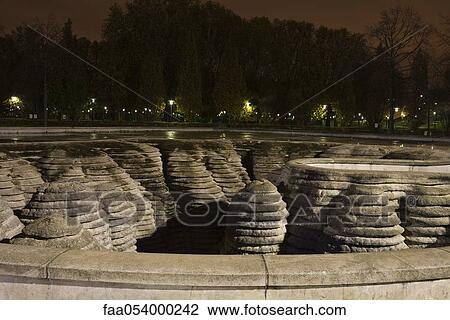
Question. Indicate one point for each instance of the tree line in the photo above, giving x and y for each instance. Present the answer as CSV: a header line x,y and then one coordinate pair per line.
x,y
212,64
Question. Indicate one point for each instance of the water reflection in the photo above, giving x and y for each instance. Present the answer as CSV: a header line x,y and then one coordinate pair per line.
x,y
171,135
247,136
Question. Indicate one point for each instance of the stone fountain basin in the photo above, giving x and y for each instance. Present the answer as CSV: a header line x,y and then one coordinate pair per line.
x,y
369,171
385,167
48,273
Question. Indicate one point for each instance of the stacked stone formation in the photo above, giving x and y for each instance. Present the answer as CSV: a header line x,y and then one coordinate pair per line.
x,y
27,178
349,151
143,163
54,163
30,153
76,174
224,175
75,203
9,192
10,225
341,216
256,220
102,173
121,211
198,200
158,186
307,218
54,231
73,174
427,220
305,226
24,176
268,162
235,161
103,169
367,222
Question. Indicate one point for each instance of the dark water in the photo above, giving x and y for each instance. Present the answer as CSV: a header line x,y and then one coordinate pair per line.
x,y
245,136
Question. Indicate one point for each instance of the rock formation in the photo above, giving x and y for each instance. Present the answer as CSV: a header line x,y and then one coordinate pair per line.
x,y
9,192
198,200
75,203
54,231
224,175
268,162
24,176
143,163
427,220
256,220
10,225
334,210
103,175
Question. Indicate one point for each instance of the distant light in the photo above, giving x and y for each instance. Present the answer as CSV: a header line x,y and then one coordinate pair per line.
x,y
93,100
106,108
278,114
135,111
362,118
421,95
397,109
171,102
435,103
145,109
14,100
419,109
359,114
434,113
171,135
123,110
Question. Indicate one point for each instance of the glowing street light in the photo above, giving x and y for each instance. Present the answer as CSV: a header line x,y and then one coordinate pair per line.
x,y
14,100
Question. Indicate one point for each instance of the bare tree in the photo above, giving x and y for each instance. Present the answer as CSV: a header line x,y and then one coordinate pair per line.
x,y
444,35
402,32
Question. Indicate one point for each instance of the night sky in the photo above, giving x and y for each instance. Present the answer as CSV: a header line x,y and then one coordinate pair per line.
x,y
88,15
